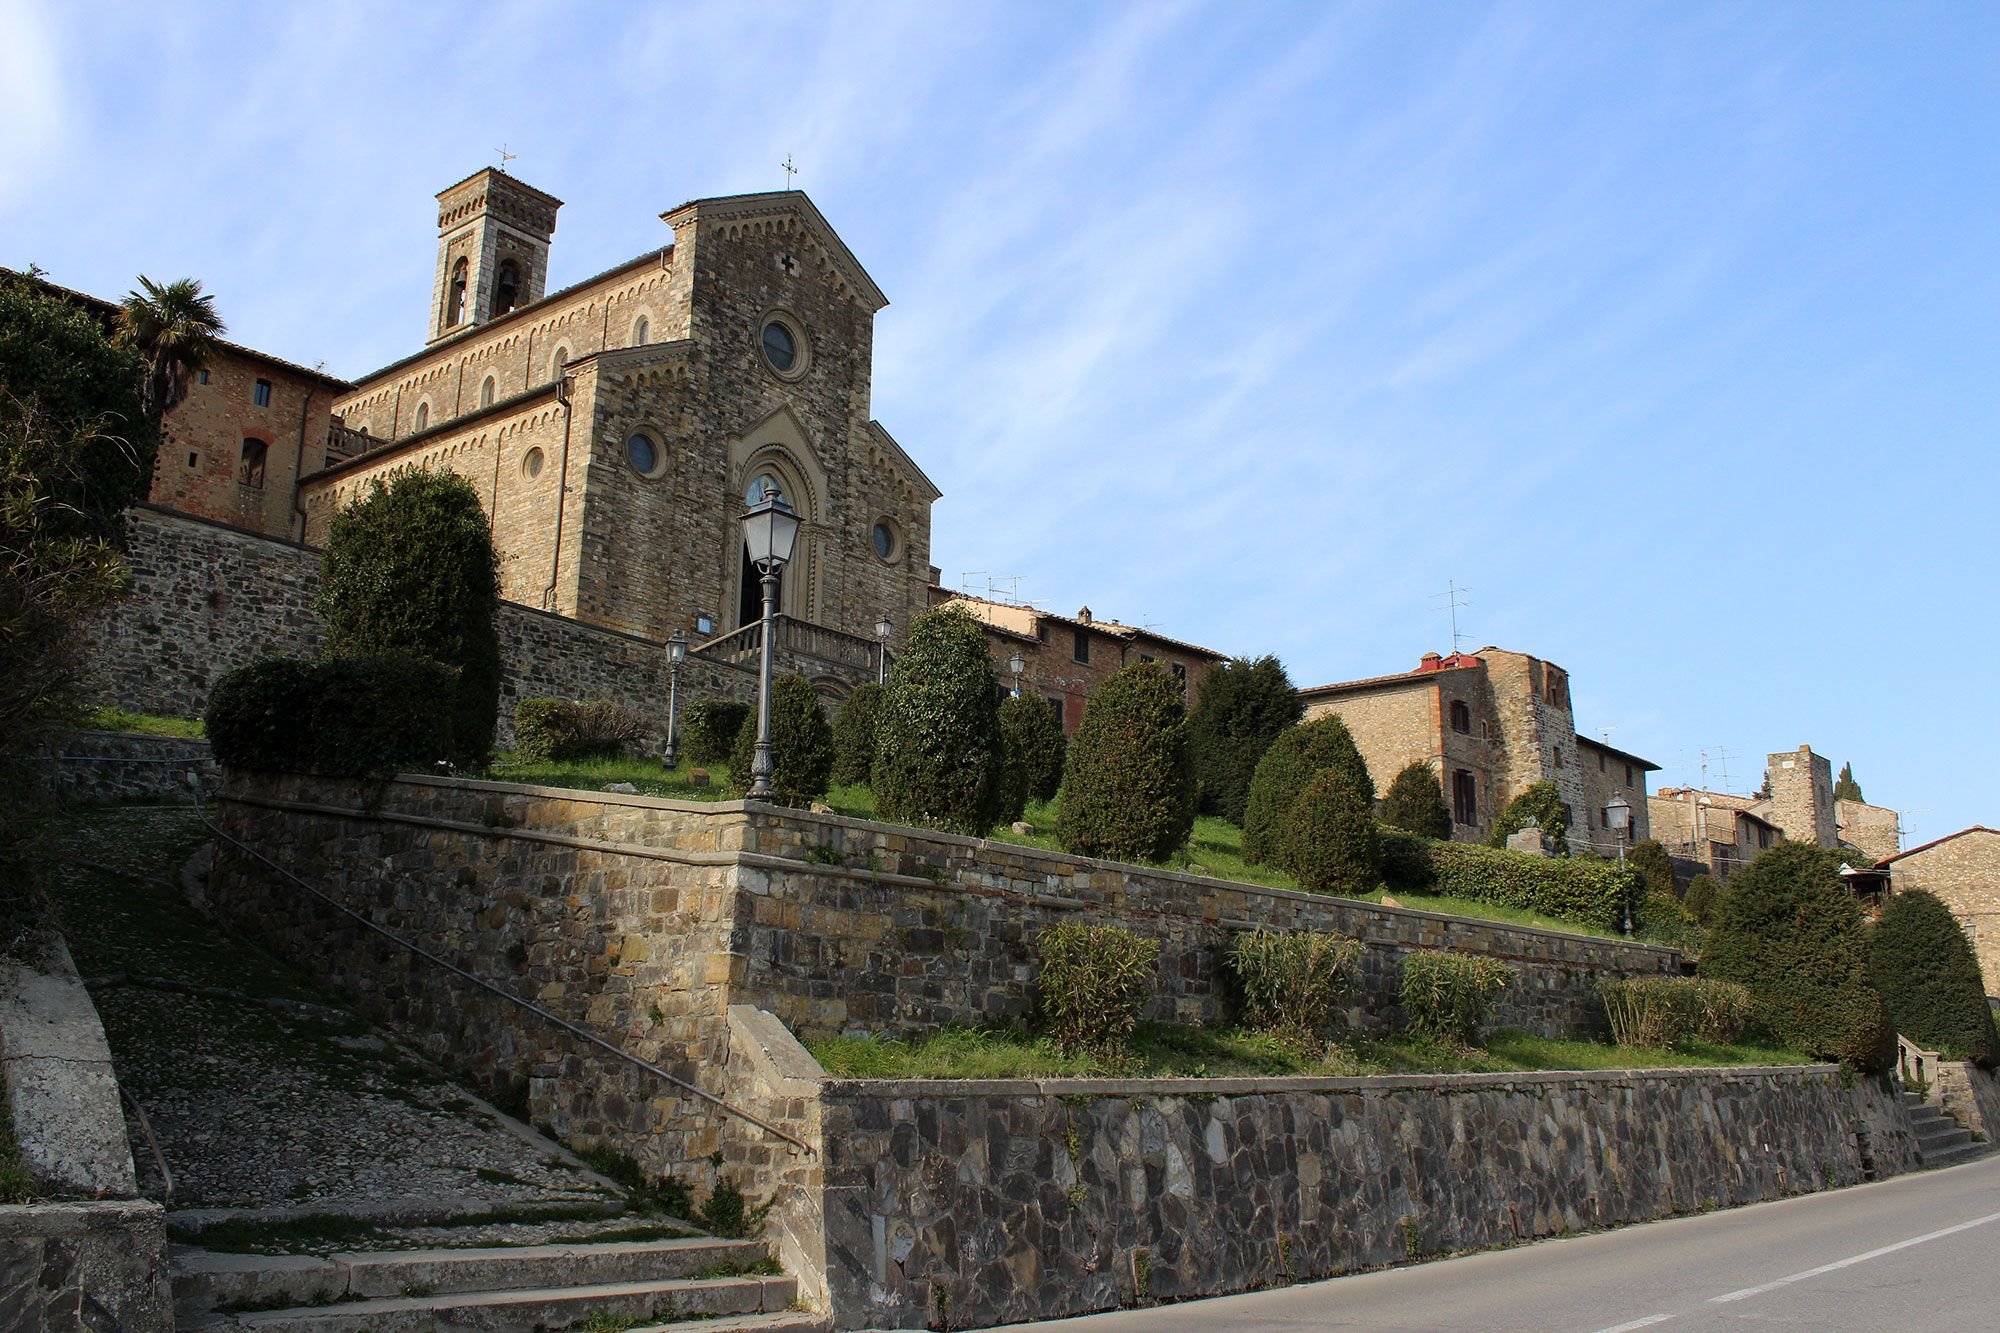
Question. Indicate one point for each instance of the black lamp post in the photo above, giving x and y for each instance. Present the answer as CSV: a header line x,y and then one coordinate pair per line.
x,y
677,648
1618,814
882,628
1017,664
770,527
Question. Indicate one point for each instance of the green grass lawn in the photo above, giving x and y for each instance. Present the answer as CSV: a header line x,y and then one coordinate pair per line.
x,y
1173,1050
650,776
144,724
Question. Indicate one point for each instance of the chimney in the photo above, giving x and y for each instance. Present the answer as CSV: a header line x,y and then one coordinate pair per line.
x,y
1084,615
1430,662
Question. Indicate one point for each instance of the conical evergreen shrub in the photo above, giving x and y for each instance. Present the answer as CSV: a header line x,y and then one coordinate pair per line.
x,y
1929,978
1128,785
937,741
1414,802
801,744
1242,707
854,735
1286,770
1331,844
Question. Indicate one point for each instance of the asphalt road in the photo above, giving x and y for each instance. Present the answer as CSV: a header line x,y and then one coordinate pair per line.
x,y
1917,1252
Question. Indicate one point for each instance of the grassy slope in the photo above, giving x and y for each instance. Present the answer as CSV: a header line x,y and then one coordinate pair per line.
x,y
143,724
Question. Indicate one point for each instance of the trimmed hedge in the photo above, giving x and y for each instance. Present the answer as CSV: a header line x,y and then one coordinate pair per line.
x,y
1128,785
708,727
1242,707
1541,803
937,742
560,730
1446,993
1414,802
1291,980
1331,844
1929,978
801,744
409,570
1790,931
1094,983
854,735
1583,889
1285,771
344,717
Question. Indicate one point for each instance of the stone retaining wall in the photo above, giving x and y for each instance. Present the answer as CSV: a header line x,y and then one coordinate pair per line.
x,y
85,1268
964,1203
646,919
116,765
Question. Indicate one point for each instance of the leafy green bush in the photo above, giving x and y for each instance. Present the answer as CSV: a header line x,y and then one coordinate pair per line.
x,y
1128,784
1406,862
345,717
1035,749
937,748
1331,844
1288,767
854,735
1655,867
1094,982
1415,802
1702,892
801,744
1243,706
1540,803
1582,889
1291,980
409,570
1446,993
1929,978
1666,1013
565,729
1790,931
708,729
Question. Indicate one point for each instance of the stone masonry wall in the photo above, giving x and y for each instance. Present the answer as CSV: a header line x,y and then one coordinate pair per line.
x,y
120,766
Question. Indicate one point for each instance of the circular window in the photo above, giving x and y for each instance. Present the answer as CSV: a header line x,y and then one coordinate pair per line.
x,y
884,538
784,349
643,455
531,463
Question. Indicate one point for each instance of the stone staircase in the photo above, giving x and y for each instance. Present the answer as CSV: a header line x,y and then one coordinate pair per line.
x,y
1941,1140
696,1283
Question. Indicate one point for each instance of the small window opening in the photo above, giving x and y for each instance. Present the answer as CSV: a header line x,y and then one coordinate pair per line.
x,y
250,471
1461,717
1464,797
454,310
639,332
486,392
203,377
261,395
1080,645
505,286
194,460
423,416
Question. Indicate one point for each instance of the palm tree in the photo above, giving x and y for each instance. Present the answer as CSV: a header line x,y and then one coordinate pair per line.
x,y
174,327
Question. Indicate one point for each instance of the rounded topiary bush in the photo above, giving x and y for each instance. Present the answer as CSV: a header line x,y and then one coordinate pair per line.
x,y
1790,931
1033,750
409,570
801,744
343,717
1414,802
564,730
1702,891
1929,978
1541,803
1331,845
1128,785
937,741
1655,867
1243,706
1287,769
854,735
708,729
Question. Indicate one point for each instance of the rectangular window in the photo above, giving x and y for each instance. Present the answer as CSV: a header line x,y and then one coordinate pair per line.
x,y
1464,797
204,377
1146,657
1600,765
1180,675
1080,646
1628,775
1057,704
262,395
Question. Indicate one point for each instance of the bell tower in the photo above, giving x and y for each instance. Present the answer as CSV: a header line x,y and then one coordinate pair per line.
x,y
493,250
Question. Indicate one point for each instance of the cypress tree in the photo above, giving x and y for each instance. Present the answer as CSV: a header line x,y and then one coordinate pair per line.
x,y
801,744
1286,770
854,735
1414,802
937,741
1243,706
1929,977
1846,788
1128,785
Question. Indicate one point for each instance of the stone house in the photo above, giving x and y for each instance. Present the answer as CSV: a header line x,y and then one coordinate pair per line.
x,y
1720,832
1707,832
1067,657
1491,724
1963,869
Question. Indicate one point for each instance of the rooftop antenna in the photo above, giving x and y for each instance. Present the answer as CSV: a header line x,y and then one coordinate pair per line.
x,y
505,158
965,578
790,170
1003,587
1902,828
1453,596
1604,734
1721,756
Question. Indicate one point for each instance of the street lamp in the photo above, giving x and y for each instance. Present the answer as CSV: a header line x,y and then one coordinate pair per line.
x,y
1618,815
770,527
882,628
1017,664
677,648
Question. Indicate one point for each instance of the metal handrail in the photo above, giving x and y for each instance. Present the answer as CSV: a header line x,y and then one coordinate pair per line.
x,y
159,1157
485,985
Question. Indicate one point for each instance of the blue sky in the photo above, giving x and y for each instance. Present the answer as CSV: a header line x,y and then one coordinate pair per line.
x,y
1668,330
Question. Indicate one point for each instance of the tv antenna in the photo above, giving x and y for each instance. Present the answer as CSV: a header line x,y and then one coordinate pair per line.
x,y
1454,599
790,170
506,157
1720,754
1003,587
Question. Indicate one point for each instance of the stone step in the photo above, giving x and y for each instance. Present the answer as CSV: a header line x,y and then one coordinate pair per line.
x,y
1964,1152
524,1309
204,1280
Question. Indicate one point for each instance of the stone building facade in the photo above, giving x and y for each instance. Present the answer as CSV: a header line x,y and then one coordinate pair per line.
x,y
1065,658
1720,832
1963,869
1712,833
1491,724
